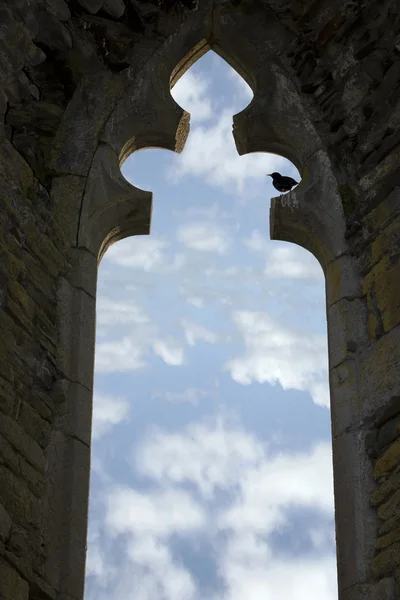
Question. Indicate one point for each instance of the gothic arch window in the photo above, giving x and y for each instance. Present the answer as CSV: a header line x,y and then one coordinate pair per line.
x,y
138,112
207,298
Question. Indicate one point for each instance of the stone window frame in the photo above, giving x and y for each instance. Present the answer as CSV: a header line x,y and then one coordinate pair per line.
x,y
110,209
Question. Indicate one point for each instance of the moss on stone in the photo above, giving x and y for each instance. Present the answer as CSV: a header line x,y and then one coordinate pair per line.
x,y
389,460
349,199
385,489
391,508
388,539
386,561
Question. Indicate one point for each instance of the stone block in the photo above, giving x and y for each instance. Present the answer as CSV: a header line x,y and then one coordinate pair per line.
x,y
67,502
390,524
67,193
84,271
386,561
115,8
36,481
342,279
389,432
52,33
347,329
389,460
5,523
391,507
384,590
12,586
387,540
33,424
58,8
74,415
22,506
10,458
18,542
385,489
22,442
387,411
382,287
345,401
76,318
92,6
378,368
356,521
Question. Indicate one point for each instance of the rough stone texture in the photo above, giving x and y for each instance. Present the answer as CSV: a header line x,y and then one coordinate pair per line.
x,y
83,84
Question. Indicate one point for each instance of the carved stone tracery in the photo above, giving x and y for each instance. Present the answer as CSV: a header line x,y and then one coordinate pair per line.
x,y
84,84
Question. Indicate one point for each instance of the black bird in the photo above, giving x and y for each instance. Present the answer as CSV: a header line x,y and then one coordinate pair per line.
x,y
282,183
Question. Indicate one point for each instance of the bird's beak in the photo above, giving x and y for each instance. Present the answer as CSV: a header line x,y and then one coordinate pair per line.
x,y
269,175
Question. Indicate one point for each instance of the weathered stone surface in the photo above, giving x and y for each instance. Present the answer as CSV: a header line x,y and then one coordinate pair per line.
x,y
388,432
5,523
12,586
390,509
384,590
77,75
19,502
52,33
389,460
386,488
387,540
386,561
22,442
389,525
115,8
92,6
58,8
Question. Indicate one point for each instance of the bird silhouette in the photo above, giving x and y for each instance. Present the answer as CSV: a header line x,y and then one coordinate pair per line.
x,y
282,183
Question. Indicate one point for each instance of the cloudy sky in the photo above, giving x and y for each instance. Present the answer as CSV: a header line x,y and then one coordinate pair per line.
x,y
211,458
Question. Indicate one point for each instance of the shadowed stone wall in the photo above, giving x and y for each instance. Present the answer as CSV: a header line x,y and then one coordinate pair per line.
x,y
83,83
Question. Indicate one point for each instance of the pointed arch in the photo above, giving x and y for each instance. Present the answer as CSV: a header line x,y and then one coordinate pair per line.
x,y
142,113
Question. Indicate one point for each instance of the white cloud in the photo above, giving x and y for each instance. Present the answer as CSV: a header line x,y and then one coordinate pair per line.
x,y
210,153
119,355
194,332
216,455
138,252
250,571
147,566
116,312
192,93
288,479
188,396
276,354
257,242
169,350
292,262
289,261
208,454
158,575
108,411
244,90
204,237
160,514
197,301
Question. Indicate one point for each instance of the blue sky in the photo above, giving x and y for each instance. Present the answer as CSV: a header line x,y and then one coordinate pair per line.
x,y
211,456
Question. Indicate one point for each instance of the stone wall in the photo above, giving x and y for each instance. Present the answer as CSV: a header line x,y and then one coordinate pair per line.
x,y
79,81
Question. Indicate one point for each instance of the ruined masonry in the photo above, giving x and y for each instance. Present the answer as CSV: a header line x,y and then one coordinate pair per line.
x,y
83,84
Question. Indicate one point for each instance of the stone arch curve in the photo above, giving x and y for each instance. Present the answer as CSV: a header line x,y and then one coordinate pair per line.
x,y
137,111
275,121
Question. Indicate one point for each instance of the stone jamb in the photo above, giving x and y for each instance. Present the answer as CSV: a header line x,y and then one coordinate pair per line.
x,y
311,216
